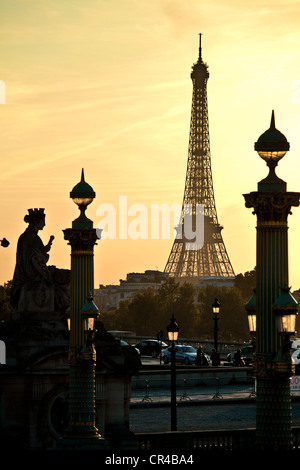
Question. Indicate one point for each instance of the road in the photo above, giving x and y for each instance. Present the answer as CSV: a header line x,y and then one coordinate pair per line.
x,y
219,414
233,411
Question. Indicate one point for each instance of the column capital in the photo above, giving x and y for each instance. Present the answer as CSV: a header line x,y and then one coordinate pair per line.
x,y
272,206
81,240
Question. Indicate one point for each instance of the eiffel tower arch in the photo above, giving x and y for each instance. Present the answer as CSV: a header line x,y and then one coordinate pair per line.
x,y
206,262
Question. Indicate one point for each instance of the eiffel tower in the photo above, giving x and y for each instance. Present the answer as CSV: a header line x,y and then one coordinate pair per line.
x,y
205,262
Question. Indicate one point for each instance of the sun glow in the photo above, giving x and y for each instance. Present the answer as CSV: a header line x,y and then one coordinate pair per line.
x,y
106,86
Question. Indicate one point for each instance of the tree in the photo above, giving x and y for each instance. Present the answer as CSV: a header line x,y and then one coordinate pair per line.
x,y
5,306
233,319
150,310
114,319
246,283
179,300
144,312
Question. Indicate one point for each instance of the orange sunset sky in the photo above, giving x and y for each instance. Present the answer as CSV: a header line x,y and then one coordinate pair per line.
x,y
105,85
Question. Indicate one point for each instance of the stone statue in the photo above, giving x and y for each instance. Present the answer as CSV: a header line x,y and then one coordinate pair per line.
x,y
36,286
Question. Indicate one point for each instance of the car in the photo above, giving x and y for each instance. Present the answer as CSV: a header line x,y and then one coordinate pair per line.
x,y
295,354
247,352
124,343
295,344
184,354
150,347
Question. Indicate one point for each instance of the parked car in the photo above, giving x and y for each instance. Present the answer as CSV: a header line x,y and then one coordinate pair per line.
x,y
124,343
150,347
247,353
184,354
296,356
295,344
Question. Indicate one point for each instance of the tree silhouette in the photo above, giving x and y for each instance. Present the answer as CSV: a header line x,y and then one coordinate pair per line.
x,y
150,310
5,306
233,323
246,283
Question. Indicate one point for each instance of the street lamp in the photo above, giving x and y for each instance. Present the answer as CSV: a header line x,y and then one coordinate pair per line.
x,y
173,330
82,432
216,311
90,313
251,312
272,366
82,194
286,310
272,145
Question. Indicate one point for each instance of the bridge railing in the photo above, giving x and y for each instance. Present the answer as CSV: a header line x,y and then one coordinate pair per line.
x,y
189,388
189,442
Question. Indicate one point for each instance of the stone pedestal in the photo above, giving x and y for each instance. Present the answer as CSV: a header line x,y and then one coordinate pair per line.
x,y
34,383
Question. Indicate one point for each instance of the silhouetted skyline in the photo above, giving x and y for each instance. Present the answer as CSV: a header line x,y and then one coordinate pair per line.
x,y
105,86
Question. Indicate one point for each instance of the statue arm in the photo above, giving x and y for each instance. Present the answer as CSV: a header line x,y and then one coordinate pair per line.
x,y
49,244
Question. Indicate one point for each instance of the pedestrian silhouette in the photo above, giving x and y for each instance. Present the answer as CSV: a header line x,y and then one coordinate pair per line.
x,y
201,358
215,357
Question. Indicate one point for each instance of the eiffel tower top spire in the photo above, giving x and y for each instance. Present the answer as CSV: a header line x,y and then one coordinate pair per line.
x,y
200,49
190,261
200,68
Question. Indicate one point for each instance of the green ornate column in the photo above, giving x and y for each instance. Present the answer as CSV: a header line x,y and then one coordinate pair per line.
x,y
82,237
273,370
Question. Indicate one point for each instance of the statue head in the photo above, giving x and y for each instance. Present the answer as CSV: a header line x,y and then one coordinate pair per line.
x,y
36,218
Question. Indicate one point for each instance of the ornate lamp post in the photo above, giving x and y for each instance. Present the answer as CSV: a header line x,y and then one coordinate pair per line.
x,y
216,311
273,369
81,431
251,312
173,330
285,310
